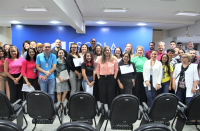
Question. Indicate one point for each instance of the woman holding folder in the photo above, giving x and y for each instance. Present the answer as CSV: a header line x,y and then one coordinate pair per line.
x,y
74,64
126,74
62,76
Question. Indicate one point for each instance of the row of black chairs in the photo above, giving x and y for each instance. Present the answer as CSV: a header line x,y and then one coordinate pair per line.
x,y
82,107
76,126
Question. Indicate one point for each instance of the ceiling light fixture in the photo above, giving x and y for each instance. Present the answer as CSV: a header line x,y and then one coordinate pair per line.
x,y
187,13
101,22
34,9
115,9
141,24
54,22
15,22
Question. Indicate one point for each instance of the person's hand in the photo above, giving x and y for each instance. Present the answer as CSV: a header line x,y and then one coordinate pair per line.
x,y
121,86
47,73
98,77
169,88
79,75
15,81
38,81
133,83
28,84
44,77
157,86
61,80
174,86
65,79
90,84
147,83
193,89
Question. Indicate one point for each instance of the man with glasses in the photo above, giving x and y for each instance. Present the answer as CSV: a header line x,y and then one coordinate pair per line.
x,y
93,43
46,65
57,48
190,46
148,53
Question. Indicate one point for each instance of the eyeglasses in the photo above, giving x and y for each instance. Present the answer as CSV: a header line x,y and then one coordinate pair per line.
x,y
93,41
47,46
74,47
126,57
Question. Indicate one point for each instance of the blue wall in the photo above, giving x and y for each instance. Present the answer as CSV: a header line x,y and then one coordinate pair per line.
x,y
112,36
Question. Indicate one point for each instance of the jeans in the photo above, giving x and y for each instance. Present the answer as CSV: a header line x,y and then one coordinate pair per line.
x,y
181,94
84,83
151,94
48,86
164,88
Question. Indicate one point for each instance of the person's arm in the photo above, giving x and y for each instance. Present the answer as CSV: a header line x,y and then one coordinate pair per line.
x,y
6,70
195,83
171,80
116,68
53,68
98,68
69,63
120,84
24,68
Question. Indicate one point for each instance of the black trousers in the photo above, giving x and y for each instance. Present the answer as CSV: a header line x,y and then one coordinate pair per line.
x,y
34,83
15,89
127,84
96,88
107,89
139,89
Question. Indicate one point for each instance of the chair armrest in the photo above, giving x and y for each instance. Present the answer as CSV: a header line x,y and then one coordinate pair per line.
x,y
99,107
57,106
106,110
23,107
145,107
181,104
16,102
181,112
64,107
141,112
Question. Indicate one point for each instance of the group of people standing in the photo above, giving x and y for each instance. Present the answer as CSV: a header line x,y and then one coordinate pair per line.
x,y
99,72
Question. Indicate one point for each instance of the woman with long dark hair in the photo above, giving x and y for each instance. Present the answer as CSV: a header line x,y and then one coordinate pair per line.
x,y
3,78
25,46
75,72
118,53
12,68
29,71
167,73
88,71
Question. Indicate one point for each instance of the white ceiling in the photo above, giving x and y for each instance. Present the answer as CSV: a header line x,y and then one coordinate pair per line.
x,y
156,13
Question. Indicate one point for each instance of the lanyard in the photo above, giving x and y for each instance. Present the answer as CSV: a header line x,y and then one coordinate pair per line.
x,y
47,58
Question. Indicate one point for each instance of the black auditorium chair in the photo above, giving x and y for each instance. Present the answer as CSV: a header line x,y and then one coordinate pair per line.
x,y
41,108
82,107
75,126
163,110
9,126
10,111
123,112
188,113
153,127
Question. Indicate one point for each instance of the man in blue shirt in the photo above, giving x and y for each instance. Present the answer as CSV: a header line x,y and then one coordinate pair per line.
x,y
46,64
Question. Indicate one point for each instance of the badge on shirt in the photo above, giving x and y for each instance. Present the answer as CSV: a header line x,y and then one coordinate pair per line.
x,y
34,70
46,64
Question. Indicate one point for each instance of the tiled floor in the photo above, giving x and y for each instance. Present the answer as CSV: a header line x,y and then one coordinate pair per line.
x,y
56,124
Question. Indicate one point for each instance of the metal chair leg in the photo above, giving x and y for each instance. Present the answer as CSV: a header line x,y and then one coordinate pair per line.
x,y
26,123
34,127
106,125
95,122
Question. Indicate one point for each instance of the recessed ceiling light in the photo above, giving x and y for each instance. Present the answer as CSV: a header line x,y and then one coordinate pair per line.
x,y
141,24
34,9
54,22
15,22
187,13
115,9
101,22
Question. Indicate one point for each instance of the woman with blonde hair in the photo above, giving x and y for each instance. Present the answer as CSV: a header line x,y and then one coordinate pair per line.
x,y
129,49
107,69
139,61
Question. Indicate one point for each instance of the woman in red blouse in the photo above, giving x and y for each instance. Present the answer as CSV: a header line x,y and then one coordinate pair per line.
x,y
107,69
29,71
3,78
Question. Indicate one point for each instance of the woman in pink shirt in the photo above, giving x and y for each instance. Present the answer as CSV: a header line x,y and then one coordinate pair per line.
x,y
107,69
12,68
3,78
29,71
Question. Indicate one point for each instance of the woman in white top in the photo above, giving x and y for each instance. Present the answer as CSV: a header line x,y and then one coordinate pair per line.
x,y
185,79
118,54
82,50
152,74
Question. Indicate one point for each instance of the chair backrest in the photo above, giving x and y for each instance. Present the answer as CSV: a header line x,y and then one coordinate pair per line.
x,y
9,126
6,109
193,108
124,109
164,107
153,127
40,105
82,106
75,126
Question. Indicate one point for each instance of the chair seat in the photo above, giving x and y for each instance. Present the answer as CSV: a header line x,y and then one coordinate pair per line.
x,y
89,122
121,126
44,121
